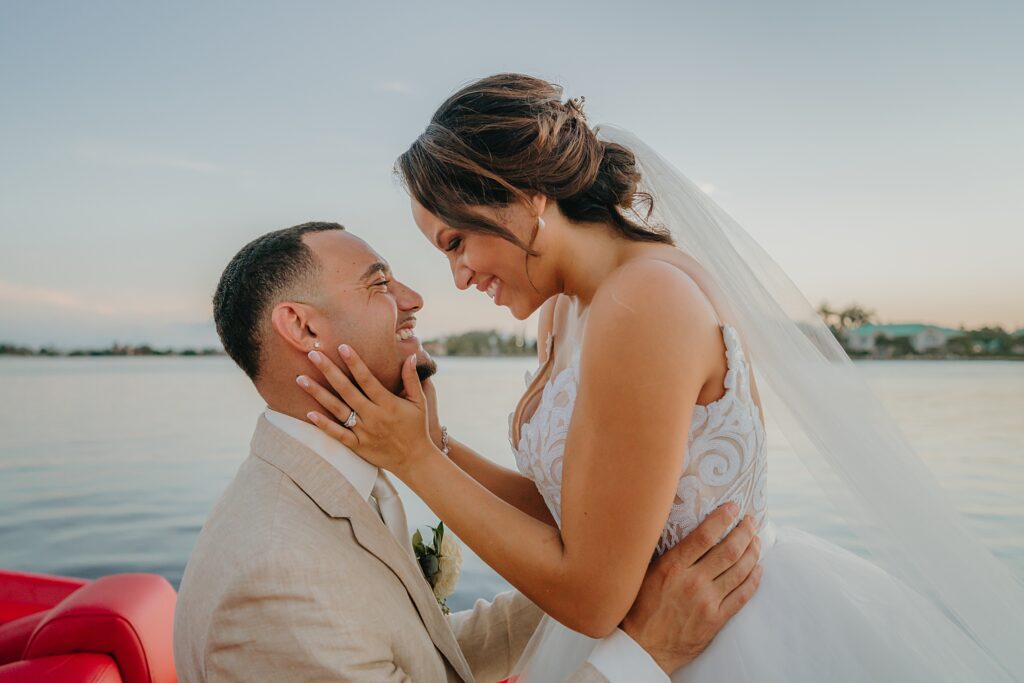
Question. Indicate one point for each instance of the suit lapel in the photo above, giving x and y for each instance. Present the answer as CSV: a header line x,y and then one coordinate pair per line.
x,y
377,540
333,494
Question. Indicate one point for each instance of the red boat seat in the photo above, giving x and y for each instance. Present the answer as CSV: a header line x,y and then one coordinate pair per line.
x,y
14,636
22,593
125,620
80,668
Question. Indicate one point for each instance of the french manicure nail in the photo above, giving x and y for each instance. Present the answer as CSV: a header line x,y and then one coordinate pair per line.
x,y
344,350
303,381
732,508
314,356
312,416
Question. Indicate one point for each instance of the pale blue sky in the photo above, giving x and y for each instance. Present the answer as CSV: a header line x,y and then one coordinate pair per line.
x,y
874,148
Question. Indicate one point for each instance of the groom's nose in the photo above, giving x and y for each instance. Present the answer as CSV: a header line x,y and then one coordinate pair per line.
x,y
408,299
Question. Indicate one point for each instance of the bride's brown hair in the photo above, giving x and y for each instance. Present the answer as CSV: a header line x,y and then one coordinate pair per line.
x,y
504,137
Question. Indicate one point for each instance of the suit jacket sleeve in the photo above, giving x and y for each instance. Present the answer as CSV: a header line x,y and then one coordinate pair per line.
x,y
268,627
493,636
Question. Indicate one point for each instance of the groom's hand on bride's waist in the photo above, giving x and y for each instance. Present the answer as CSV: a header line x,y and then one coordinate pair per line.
x,y
691,591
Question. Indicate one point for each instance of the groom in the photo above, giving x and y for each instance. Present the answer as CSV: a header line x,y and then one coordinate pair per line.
x,y
304,570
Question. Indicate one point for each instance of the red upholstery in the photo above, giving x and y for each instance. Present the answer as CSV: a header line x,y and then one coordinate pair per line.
x,y
127,616
14,636
80,668
22,593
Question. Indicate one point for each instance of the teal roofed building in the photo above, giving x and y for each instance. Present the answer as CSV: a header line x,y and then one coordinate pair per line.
x,y
923,338
1018,342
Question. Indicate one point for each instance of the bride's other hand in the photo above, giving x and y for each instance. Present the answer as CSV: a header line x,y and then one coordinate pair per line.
x,y
390,431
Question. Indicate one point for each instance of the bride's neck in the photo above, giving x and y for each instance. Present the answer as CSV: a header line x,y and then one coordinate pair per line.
x,y
588,254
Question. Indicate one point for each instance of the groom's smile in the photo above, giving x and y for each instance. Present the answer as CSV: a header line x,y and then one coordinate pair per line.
x,y
362,304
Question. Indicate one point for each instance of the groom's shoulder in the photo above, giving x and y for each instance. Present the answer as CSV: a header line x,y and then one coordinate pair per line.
x,y
263,537
264,542
263,517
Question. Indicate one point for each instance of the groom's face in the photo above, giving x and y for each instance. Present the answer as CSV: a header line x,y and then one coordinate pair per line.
x,y
362,304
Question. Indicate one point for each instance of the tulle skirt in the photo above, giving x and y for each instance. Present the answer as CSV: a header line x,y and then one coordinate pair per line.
x,y
820,614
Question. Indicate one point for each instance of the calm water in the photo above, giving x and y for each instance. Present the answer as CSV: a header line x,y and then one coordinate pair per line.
x,y
111,464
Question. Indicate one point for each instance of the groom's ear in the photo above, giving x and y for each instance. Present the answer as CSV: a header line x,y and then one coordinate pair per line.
x,y
291,322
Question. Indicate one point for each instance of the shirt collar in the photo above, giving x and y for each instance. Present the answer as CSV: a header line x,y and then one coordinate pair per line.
x,y
360,473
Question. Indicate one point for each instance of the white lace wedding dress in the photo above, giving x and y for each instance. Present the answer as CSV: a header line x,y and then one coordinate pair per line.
x,y
821,613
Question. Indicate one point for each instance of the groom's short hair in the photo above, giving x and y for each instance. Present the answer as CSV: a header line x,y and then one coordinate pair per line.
x,y
260,275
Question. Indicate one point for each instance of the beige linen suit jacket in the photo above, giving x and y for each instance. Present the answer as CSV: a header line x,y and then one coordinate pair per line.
x,y
295,578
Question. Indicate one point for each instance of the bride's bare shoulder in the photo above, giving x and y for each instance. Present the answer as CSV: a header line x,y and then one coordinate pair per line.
x,y
650,287
651,318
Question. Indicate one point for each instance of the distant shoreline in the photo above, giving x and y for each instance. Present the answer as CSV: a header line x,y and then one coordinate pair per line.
x,y
866,341
213,353
477,343
115,351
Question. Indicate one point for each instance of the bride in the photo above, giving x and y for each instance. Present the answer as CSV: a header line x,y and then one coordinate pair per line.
x,y
645,415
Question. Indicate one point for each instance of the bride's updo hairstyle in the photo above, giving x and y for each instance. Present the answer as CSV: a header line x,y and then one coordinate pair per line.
x,y
502,138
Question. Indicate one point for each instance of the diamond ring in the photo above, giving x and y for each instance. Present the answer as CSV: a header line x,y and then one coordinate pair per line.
x,y
352,420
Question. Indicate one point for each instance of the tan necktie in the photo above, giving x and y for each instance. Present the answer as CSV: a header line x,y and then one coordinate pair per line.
x,y
391,510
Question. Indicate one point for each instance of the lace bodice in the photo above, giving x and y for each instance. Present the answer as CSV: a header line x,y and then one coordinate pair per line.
x,y
726,458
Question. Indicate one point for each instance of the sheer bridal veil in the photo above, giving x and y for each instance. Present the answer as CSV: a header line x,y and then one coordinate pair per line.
x,y
842,434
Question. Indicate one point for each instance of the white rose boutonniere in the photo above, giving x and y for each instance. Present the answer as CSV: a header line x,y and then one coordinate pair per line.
x,y
441,562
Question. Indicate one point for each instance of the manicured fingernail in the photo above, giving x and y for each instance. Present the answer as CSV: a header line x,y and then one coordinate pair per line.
x,y
412,360
303,381
344,350
315,356
313,417
732,508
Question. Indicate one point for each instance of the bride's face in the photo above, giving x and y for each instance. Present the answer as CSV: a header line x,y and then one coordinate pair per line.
x,y
492,265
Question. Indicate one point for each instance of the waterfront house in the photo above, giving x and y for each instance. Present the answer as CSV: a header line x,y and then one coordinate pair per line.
x,y
1018,342
922,338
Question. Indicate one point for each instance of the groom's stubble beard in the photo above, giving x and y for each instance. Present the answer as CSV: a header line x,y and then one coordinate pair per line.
x,y
426,369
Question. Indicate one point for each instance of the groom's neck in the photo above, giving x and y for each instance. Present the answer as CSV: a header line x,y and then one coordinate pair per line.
x,y
288,400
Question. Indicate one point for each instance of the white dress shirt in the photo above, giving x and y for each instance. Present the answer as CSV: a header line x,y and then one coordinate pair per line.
x,y
618,657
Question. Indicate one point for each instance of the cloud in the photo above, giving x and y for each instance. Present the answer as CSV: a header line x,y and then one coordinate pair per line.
x,y
27,295
118,155
399,87
37,316
127,304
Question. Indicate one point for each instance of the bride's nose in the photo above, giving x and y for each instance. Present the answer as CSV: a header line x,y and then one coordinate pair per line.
x,y
461,274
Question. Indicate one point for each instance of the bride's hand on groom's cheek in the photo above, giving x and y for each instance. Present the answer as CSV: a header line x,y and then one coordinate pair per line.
x,y
388,430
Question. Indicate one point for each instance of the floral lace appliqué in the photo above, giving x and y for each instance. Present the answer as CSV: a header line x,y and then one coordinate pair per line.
x,y
726,457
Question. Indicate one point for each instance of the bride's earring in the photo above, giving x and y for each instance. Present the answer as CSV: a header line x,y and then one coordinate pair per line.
x,y
316,345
